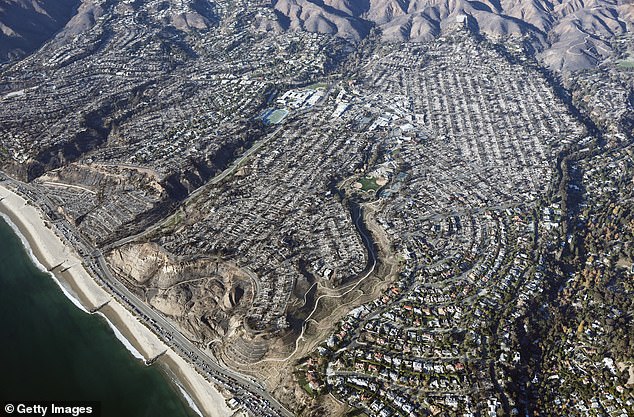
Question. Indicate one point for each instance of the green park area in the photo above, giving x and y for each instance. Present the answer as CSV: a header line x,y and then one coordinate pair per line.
x,y
626,63
369,184
317,86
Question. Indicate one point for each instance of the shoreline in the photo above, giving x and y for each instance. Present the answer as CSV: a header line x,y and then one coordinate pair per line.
x,y
51,254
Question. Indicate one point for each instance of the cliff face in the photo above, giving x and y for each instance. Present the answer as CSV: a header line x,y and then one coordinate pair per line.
x,y
106,202
26,24
205,297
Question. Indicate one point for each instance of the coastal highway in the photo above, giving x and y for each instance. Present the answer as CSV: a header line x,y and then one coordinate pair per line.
x,y
251,394
248,392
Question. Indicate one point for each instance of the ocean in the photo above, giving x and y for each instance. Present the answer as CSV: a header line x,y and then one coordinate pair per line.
x,y
52,350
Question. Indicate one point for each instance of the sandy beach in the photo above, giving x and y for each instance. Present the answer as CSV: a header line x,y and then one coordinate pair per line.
x,y
52,253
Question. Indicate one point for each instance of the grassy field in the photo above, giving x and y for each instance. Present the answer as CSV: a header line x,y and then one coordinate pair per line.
x,y
369,184
276,116
627,63
317,86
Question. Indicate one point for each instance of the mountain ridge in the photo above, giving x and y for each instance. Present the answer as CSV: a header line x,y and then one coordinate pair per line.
x,y
27,24
571,34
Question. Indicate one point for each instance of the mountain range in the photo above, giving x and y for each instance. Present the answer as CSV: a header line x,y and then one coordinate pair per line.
x,y
570,34
27,24
567,34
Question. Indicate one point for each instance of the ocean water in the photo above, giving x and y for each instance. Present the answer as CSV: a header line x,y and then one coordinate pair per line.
x,y
51,350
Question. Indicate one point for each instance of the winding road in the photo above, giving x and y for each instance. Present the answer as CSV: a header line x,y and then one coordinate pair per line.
x,y
366,238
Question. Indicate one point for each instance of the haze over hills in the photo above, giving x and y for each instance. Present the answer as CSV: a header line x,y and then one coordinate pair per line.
x,y
27,24
571,34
